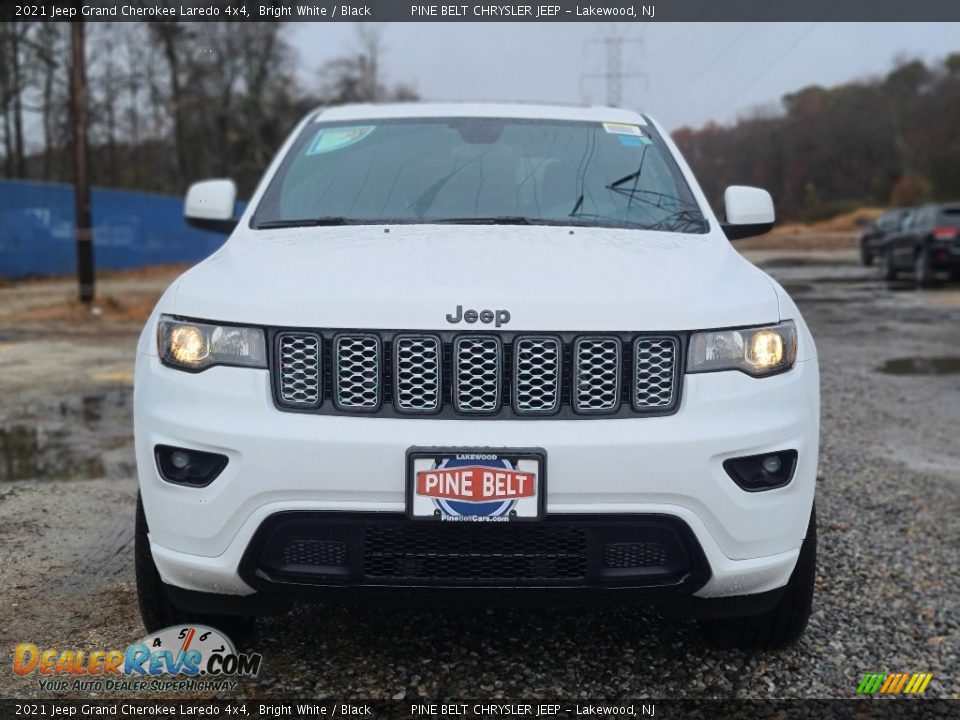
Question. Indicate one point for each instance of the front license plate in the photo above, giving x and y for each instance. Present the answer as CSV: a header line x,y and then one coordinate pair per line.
x,y
475,484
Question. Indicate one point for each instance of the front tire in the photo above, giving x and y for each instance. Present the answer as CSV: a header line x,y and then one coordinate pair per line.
x,y
923,269
156,609
887,271
866,257
784,624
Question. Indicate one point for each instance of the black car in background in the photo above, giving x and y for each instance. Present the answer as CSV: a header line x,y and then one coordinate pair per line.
x,y
927,242
877,231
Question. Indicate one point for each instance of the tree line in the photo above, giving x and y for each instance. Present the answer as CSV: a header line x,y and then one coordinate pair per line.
x,y
892,140
169,102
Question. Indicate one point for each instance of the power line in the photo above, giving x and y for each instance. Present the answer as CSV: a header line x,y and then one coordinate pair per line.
x,y
614,75
728,101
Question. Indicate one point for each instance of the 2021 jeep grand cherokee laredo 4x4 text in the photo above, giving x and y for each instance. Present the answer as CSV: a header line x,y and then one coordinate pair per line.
x,y
464,348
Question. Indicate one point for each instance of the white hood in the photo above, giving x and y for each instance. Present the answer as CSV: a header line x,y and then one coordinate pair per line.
x,y
548,278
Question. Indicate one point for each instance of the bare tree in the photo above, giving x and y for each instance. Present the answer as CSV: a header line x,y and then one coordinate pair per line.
x,y
172,37
356,77
49,49
13,82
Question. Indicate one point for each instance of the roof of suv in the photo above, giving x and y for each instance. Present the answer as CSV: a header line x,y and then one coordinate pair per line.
x,y
492,110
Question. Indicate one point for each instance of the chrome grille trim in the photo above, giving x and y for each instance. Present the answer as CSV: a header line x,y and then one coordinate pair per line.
x,y
477,373
654,372
468,375
596,374
299,369
417,362
357,370
537,373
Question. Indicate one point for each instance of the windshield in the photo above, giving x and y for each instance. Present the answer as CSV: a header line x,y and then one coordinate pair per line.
x,y
480,170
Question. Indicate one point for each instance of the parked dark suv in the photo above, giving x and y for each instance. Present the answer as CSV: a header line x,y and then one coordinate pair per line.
x,y
927,242
877,232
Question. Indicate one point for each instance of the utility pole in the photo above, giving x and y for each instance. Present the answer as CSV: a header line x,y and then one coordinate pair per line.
x,y
81,178
614,74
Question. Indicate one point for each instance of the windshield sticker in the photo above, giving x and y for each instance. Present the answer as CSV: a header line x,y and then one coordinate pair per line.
x,y
338,138
634,141
623,129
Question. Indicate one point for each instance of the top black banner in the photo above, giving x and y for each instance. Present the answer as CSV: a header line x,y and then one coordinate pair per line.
x,y
451,11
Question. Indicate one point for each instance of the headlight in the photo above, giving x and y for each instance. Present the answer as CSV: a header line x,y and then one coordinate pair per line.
x,y
756,351
196,346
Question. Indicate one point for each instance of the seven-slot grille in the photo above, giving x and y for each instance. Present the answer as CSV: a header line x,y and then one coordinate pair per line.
x,y
357,364
596,374
476,375
654,362
536,374
477,362
298,367
417,373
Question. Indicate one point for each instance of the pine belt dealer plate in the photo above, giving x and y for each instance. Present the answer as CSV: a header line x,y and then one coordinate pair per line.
x,y
476,484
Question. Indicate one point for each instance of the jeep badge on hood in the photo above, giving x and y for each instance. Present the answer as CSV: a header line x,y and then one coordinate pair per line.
x,y
499,317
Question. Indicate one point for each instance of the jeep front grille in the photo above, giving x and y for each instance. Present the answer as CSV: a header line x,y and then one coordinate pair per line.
x,y
596,374
477,362
654,362
473,375
536,375
357,365
298,369
417,373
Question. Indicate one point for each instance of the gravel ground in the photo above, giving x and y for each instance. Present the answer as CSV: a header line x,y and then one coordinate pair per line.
x,y
888,504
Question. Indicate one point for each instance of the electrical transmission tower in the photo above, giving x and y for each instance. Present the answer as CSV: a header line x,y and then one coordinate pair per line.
x,y
614,74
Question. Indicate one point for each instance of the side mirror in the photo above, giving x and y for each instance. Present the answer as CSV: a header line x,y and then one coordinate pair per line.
x,y
749,212
210,205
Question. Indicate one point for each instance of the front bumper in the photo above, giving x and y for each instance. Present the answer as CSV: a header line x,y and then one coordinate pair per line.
x,y
287,462
337,549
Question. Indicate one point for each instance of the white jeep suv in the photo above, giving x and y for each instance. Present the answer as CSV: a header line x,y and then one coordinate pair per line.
x,y
459,349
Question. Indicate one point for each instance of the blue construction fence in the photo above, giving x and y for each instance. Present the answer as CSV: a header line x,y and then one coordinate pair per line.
x,y
130,230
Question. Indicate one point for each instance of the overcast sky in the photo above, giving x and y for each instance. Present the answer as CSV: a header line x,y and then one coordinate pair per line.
x,y
694,72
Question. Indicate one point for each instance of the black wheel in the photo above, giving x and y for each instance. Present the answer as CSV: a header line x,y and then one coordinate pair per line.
x,y
923,269
887,271
866,257
785,623
156,609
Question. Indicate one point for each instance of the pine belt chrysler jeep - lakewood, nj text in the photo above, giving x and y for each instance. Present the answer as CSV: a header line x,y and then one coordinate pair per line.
x,y
461,349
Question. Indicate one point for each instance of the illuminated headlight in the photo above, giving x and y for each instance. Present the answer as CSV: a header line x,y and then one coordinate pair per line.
x,y
196,346
756,351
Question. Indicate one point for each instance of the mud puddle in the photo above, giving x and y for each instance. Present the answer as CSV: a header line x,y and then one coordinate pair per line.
x,y
72,438
922,366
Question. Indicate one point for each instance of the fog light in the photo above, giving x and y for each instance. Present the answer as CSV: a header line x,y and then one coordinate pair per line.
x,y
768,471
179,459
771,463
194,468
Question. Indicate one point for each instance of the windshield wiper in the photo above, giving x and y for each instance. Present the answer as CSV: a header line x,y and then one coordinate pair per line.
x,y
306,222
682,221
495,220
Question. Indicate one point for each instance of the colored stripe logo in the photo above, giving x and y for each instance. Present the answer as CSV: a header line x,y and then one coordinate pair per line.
x,y
894,683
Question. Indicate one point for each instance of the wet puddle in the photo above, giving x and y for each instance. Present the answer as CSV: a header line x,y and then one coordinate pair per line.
x,y
922,366
65,440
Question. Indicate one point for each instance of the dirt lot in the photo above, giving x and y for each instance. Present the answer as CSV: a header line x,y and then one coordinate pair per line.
x,y
888,503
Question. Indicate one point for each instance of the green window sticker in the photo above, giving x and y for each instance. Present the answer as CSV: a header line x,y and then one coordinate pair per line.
x,y
634,140
329,140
